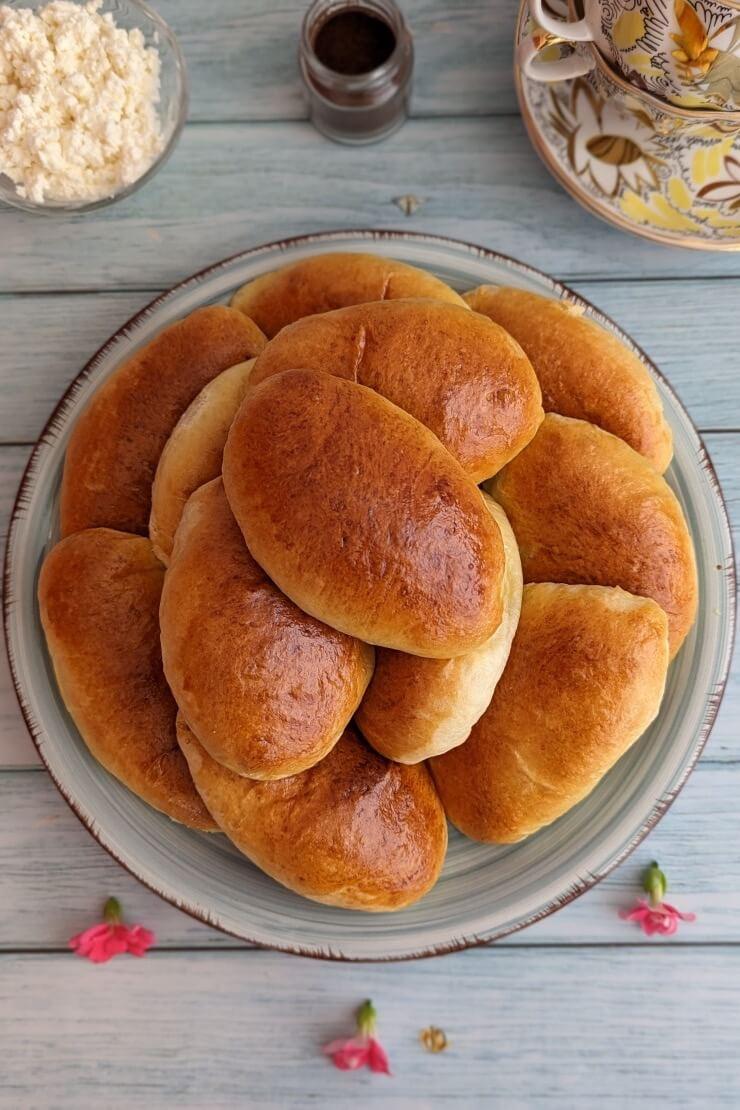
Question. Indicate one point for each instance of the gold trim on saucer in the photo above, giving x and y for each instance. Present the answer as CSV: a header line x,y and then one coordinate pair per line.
x,y
630,162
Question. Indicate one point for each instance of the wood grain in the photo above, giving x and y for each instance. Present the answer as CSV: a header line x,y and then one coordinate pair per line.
x,y
231,186
242,65
229,1029
54,876
563,1026
68,329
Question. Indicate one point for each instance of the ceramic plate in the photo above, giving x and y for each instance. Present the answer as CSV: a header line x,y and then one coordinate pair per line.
x,y
485,892
655,175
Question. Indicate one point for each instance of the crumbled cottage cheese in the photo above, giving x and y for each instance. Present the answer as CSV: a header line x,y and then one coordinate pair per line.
x,y
78,102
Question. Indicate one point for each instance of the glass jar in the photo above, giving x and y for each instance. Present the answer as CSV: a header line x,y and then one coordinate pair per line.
x,y
351,99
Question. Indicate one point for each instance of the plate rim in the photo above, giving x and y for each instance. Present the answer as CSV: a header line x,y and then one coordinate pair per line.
x,y
704,461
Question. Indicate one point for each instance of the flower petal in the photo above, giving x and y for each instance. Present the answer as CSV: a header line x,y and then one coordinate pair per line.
x,y
720,191
139,940
348,1054
351,1058
733,167
377,1058
605,176
678,913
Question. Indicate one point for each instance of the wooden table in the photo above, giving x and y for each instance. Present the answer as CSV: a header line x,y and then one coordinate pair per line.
x,y
577,1012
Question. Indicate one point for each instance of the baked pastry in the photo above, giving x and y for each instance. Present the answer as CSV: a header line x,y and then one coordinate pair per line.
x,y
584,370
193,453
584,680
332,565
99,599
586,508
116,442
355,831
361,517
416,708
267,689
455,371
326,281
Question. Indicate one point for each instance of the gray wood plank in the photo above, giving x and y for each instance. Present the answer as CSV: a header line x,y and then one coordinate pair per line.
x,y
661,315
54,877
16,749
46,340
229,186
618,1029
14,738
242,65
699,360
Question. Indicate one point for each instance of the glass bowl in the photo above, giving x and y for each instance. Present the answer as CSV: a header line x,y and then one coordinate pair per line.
x,y
172,107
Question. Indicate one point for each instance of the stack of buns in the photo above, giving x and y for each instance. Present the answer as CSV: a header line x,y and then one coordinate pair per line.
x,y
357,555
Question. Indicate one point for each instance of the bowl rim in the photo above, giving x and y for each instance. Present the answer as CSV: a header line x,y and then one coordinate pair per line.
x,y
72,208
714,699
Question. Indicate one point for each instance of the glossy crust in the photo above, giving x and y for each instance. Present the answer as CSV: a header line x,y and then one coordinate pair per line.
x,y
99,599
116,443
585,678
192,455
355,831
585,372
360,516
416,708
586,508
267,689
327,281
454,370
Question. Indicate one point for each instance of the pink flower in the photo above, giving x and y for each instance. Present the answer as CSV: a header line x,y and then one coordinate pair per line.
x,y
662,918
652,914
111,937
362,1050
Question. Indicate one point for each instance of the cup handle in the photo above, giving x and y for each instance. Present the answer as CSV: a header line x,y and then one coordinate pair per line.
x,y
578,31
529,49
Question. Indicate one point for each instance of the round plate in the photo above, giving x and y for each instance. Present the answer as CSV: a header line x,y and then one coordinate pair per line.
x,y
631,167
485,891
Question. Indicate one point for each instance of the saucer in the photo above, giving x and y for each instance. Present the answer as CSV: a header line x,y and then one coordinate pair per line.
x,y
669,181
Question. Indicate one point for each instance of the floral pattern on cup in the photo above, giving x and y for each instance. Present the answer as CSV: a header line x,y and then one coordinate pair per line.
x,y
687,51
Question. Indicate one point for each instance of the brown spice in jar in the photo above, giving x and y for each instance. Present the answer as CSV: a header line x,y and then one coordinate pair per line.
x,y
357,61
354,42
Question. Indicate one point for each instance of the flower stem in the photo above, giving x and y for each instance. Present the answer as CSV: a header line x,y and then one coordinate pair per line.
x,y
112,912
367,1018
655,884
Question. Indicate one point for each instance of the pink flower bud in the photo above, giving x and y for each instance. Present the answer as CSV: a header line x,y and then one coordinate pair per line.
x,y
362,1050
111,937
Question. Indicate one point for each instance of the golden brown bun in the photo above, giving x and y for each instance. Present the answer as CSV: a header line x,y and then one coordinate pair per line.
x,y
192,455
452,369
586,508
267,689
355,831
327,281
416,708
585,678
99,599
584,370
360,516
116,443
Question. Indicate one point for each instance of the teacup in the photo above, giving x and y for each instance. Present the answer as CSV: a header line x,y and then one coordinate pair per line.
x,y
686,52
